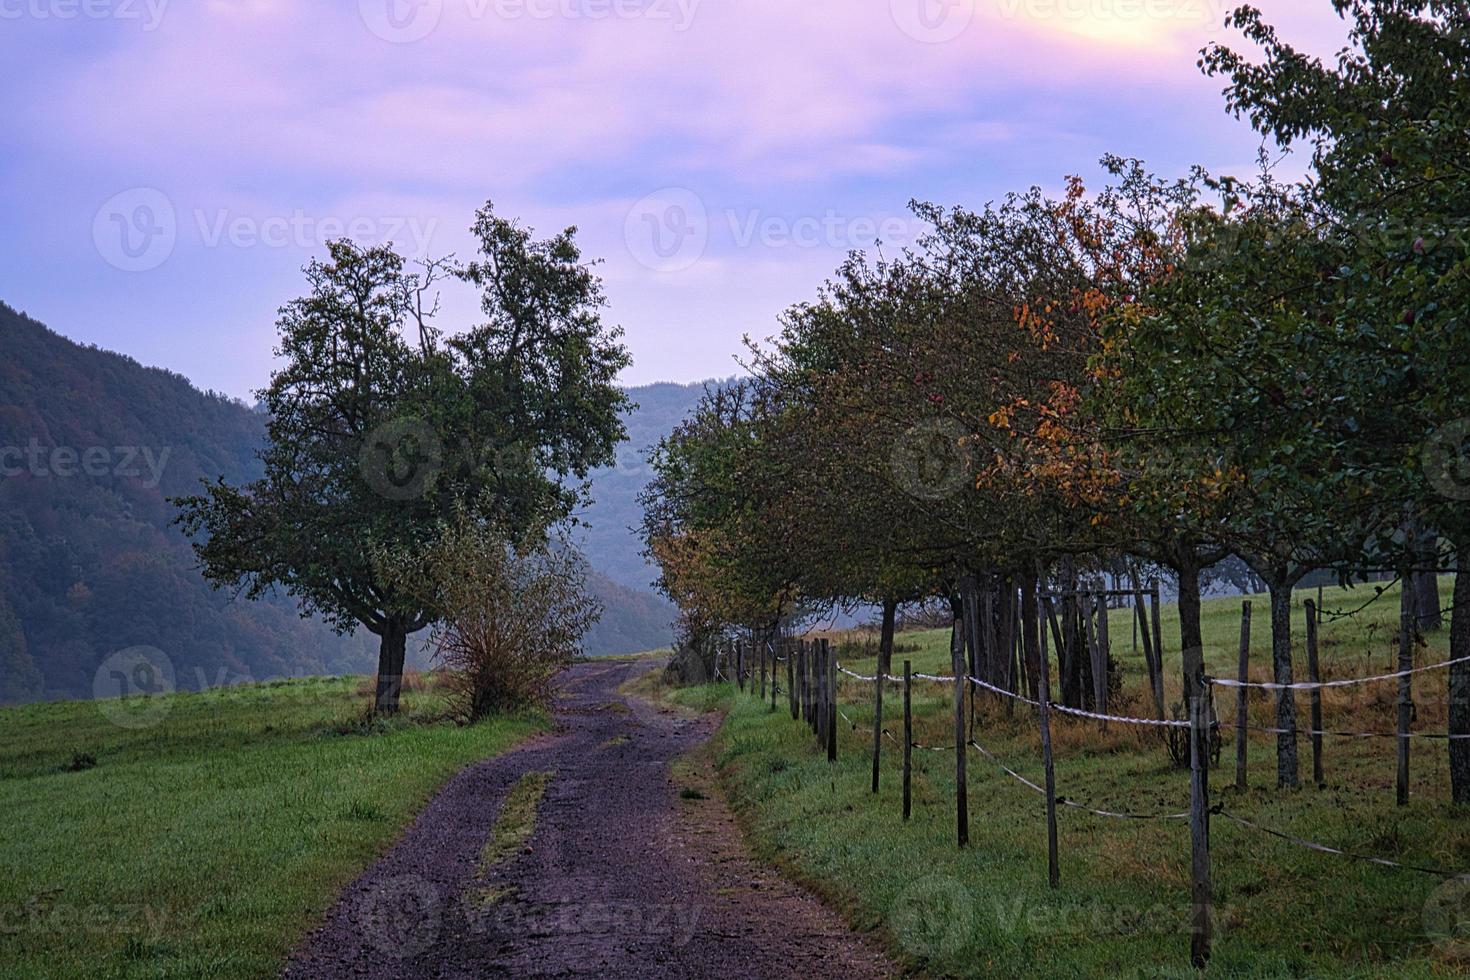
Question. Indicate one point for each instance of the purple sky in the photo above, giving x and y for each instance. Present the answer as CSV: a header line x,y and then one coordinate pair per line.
x,y
167,166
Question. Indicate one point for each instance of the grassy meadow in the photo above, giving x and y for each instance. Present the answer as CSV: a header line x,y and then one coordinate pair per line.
x,y
1123,905
203,836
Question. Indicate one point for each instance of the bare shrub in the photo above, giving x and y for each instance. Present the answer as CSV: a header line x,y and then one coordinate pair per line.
x,y
515,616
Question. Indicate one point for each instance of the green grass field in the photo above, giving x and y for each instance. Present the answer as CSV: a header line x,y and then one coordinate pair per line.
x,y
206,844
1122,908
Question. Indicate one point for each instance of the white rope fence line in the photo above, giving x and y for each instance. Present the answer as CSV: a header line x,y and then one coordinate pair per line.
x,y
1346,682
1078,712
1325,849
1339,734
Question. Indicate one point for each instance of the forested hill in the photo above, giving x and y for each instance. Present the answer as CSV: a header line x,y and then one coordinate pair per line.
x,y
91,446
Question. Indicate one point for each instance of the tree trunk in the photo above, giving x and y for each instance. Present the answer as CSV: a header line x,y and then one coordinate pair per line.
x,y
1191,635
1427,610
1460,678
1286,762
885,659
392,648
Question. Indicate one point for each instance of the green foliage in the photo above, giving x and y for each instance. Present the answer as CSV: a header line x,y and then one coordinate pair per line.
x,y
381,430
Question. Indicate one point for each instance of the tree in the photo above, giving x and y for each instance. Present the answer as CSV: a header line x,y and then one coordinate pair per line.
x,y
1389,128
381,430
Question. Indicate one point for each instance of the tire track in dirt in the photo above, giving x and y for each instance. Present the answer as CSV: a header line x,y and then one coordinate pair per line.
x,y
620,877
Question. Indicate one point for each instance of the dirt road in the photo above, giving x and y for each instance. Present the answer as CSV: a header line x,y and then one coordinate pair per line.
x,y
625,874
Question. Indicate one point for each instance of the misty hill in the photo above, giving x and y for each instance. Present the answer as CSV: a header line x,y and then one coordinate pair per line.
x,y
611,542
91,446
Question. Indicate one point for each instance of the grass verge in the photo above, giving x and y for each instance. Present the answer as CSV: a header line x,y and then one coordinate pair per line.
x,y
1123,905
206,842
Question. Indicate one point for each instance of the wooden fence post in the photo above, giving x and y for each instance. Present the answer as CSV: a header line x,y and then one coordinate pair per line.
x,y
1153,659
1314,674
811,685
791,680
775,641
1105,650
1043,716
821,677
1158,631
740,666
1406,697
1090,605
1240,694
801,695
831,659
878,717
908,736
961,752
762,645
1199,822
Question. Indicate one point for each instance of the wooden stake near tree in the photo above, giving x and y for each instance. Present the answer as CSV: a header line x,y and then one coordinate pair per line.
x,y
1201,890
740,666
1240,695
908,737
774,639
762,645
1314,674
1030,632
885,655
1105,651
1406,693
1152,655
791,680
1158,631
801,694
831,660
961,788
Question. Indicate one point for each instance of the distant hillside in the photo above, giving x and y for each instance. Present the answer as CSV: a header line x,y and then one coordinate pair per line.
x,y
91,445
611,542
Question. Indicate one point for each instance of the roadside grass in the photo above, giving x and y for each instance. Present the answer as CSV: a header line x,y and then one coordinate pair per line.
x,y
207,844
1123,905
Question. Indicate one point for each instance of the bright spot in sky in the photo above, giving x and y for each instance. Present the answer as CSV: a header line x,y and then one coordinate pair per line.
x,y
1141,23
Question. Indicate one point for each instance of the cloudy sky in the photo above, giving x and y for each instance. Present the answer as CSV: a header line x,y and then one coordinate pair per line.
x,y
167,166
